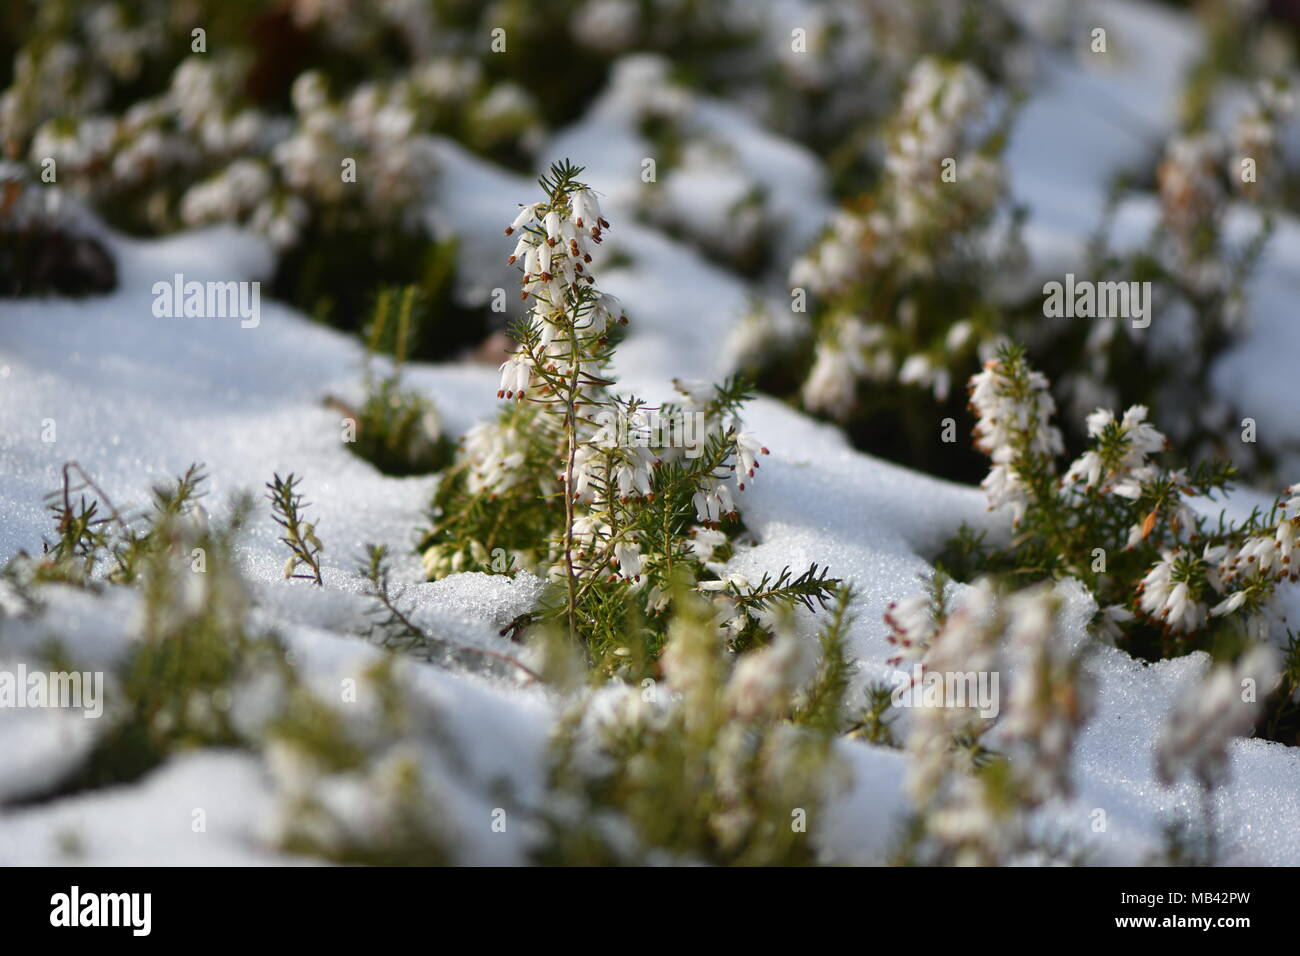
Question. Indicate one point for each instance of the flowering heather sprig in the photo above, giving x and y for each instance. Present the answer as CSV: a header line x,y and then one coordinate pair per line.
x,y
1228,703
942,184
1118,465
702,763
915,621
574,482
1119,523
1051,698
1013,409
971,801
187,152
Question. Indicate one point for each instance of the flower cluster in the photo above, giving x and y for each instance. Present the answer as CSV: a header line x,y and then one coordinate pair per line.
x,y
709,764
971,800
159,130
708,190
574,483
1238,574
934,220
1014,409
1119,523
1197,271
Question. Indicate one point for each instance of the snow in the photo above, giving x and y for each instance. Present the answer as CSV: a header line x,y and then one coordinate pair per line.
x,y
135,399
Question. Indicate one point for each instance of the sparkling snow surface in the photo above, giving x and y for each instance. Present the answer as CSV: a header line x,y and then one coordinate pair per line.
x,y
135,399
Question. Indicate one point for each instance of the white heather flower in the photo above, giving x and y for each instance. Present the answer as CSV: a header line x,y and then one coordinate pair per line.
x,y
832,385
628,556
1285,539
1143,438
1087,468
916,370
713,502
1227,704
632,473
967,639
75,145
967,822
835,261
526,216
763,680
747,451
959,335
609,26
516,375
966,642
1167,596
1119,463
1111,618
913,625
704,542
1049,700
1191,195
280,220
1229,604
309,92
1260,554
586,210
494,451
737,581
1003,417
1014,411
235,191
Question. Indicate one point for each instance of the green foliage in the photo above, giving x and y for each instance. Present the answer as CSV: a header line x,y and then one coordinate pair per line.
x,y
299,535
874,723
174,691
380,754
1168,579
396,429
693,771
821,706
647,503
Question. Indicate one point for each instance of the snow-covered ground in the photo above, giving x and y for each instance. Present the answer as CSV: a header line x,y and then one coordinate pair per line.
x,y
135,399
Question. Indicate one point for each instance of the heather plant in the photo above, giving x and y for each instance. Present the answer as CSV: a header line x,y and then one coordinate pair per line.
x,y
606,496
1114,515
396,429
834,83
721,762
1217,183
976,775
727,759
299,534
193,645
1228,703
898,290
916,280
736,225
159,132
1167,579
359,783
1196,269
